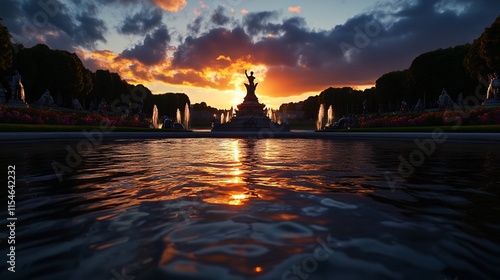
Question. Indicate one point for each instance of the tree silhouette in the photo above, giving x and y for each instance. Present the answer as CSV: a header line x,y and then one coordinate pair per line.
x,y
5,49
484,55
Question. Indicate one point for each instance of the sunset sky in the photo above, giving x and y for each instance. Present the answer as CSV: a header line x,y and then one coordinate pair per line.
x,y
296,48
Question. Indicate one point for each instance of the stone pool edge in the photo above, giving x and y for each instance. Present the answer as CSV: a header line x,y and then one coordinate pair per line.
x,y
113,136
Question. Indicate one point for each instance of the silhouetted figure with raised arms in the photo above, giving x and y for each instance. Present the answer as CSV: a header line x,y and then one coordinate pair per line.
x,y
250,78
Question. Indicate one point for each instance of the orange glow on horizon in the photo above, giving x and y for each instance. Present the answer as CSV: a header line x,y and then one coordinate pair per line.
x,y
225,76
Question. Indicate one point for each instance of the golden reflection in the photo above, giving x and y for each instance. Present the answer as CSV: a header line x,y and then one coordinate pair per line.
x,y
236,172
236,151
237,199
232,198
258,269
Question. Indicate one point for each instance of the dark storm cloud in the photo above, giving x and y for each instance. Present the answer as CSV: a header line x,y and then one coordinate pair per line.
x,y
142,22
256,23
32,20
219,17
197,53
89,30
195,27
153,50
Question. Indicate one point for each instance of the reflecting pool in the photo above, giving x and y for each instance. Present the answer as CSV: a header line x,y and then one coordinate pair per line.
x,y
254,209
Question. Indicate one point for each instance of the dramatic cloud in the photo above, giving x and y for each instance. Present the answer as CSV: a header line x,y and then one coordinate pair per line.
x,y
170,5
256,23
195,26
201,52
295,9
32,21
153,50
142,22
218,17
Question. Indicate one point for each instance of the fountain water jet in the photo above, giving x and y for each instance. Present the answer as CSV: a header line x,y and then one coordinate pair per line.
x,y
154,118
178,116
222,118
187,116
330,115
321,115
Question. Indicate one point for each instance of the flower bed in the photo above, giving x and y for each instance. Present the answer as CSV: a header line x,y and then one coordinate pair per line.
x,y
481,116
55,117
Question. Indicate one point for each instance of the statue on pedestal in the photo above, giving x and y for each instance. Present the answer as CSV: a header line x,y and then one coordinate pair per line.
x,y
76,105
251,87
419,107
46,99
17,98
16,87
494,87
250,115
445,101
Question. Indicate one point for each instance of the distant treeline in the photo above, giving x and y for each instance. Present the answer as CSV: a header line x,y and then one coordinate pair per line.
x,y
65,76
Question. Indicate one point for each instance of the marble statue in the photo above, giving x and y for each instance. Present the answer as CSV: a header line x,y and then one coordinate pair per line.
x,y
419,107
76,105
46,99
16,87
445,101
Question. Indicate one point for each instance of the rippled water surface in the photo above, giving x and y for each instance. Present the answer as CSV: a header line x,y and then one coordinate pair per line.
x,y
254,209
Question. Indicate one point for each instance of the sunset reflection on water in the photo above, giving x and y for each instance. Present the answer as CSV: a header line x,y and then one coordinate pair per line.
x,y
254,208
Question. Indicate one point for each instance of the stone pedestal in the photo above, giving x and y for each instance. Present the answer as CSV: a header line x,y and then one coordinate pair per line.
x,y
250,117
17,103
492,102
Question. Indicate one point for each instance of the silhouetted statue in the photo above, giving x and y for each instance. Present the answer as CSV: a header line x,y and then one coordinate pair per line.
x,y
46,99
76,105
445,101
103,107
494,86
419,107
17,87
404,106
250,78
251,87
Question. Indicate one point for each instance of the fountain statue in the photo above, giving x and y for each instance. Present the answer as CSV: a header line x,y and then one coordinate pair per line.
x,y
250,115
17,88
445,101
493,94
46,100
77,105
